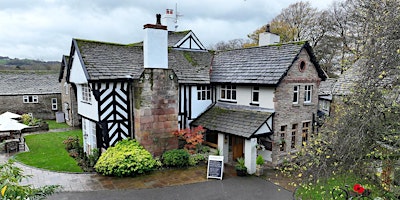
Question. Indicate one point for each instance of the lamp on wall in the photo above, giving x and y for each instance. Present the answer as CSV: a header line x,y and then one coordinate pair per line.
x,y
171,76
147,76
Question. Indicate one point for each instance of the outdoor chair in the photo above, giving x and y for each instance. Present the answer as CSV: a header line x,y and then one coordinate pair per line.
x,y
21,144
11,146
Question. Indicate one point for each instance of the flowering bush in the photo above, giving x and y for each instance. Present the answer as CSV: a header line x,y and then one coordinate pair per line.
x,y
126,158
193,137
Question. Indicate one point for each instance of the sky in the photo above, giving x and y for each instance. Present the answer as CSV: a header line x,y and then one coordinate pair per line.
x,y
43,29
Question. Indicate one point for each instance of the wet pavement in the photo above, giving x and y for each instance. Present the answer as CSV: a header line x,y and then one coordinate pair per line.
x,y
188,183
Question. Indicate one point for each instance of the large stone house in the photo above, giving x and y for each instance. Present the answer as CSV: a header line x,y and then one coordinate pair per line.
x,y
32,93
246,98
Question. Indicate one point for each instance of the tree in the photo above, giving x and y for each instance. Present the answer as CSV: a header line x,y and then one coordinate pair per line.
x,y
364,132
10,179
229,45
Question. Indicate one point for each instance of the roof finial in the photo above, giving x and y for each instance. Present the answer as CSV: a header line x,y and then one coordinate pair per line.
x,y
158,19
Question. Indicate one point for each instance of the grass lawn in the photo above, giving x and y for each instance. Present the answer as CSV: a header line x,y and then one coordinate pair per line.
x,y
47,151
54,125
323,189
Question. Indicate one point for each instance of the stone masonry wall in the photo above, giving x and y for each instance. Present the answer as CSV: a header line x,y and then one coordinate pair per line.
x,y
40,110
287,113
156,110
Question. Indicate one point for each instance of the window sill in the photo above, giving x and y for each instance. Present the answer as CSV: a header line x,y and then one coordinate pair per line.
x,y
86,102
227,101
254,104
309,104
296,105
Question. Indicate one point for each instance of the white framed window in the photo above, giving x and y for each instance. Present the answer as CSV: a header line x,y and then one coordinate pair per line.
x,y
54,104
228,92
30,99
324,105
203,92
93,136
296,89
307,93
255,95
86,94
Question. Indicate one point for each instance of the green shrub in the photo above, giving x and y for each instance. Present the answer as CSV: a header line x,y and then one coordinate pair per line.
x,y
176,158
195,159
127,158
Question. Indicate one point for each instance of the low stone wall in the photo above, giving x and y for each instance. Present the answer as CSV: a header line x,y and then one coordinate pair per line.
x,y
41,127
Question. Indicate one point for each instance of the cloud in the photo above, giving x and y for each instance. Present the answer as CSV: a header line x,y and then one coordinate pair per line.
x,y
43,29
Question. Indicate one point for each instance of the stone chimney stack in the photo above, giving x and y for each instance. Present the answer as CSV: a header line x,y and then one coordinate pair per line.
x,y
155,45
268,38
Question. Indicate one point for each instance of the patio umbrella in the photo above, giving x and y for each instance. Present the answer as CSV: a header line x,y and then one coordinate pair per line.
x,y
10,125
10,115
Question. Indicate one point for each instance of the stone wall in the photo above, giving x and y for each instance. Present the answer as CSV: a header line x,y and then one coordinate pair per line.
x,y
69,103
156,110
287,113
40,110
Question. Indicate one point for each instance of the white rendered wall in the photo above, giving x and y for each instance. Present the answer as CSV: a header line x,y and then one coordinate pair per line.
x,y
267,155
267,38
223,146
77,75
88,110
244,96
250,154
198,106
155,48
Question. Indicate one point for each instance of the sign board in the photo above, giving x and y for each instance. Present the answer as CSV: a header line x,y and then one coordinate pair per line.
x,y
215,168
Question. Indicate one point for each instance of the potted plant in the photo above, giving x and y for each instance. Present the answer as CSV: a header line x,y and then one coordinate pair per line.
x,y
241,169
260,165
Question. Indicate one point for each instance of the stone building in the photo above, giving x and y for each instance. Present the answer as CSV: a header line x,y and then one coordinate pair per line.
x,y
260,100
32,93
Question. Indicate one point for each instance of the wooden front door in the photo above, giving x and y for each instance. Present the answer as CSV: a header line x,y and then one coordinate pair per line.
x,y
237,147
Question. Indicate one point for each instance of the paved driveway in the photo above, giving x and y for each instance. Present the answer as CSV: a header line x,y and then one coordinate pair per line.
x,y
240,188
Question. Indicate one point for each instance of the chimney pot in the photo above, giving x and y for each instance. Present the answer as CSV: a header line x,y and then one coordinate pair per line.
x,y
158,19
268,28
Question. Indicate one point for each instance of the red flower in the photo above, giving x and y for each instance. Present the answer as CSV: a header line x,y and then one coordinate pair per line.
x,y
358,188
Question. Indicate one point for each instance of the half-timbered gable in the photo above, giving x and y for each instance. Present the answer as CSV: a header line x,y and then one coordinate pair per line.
x,y
109,69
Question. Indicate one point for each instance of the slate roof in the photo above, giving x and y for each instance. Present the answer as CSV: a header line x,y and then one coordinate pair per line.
x,y
109,61
191,66
237,120
24,83
258,65
174,37
346,81
326,87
